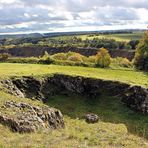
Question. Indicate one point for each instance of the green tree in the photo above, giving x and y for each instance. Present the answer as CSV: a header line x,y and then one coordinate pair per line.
x,y
141,56
103,58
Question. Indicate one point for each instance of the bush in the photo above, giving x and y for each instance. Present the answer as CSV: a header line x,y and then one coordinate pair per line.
x,y
59,56
70,53
4,56
76,57
48,60
45,59
92,59
30,60
103,58
45,56
70,63
141,56
123,62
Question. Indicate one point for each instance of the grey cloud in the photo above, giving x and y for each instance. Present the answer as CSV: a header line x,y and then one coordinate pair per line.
x,y
54,14
33,28
111,13
15,15
85,5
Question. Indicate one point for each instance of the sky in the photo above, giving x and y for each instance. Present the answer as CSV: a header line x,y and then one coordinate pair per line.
x,y
26,16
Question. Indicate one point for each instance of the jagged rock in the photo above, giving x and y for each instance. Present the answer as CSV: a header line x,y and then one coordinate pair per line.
x,y
63,84
30,87
136,98
30,118
91,118
12,89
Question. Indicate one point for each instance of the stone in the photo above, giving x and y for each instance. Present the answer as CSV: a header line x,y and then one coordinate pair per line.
x,y
136,98
12,89
30,118
91,118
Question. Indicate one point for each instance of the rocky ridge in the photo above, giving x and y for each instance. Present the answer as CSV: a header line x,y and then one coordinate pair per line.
x,y
135,97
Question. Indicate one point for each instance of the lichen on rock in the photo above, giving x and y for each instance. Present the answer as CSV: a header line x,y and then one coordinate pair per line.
x,y
136,98
30,118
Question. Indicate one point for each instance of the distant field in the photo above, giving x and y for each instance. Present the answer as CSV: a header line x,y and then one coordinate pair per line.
x,y
128,75
118,37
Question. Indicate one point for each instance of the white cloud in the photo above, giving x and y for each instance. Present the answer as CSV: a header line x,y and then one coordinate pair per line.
x,y
55,15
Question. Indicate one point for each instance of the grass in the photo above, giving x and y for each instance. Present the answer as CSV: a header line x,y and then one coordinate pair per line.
x,y
118,37
118,127
110,110
129,76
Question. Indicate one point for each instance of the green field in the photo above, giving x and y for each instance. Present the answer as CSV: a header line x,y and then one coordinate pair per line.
x,y
118,37
118,125
128,75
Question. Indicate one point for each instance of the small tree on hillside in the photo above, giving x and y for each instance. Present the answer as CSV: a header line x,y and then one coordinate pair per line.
x,y
141,56
103,58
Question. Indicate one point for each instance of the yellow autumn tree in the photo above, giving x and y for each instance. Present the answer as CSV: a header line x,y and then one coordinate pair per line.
x,y
103,58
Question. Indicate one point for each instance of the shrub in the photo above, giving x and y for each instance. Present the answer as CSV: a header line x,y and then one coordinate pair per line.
x,y
103,58
70,53
45,56
123,62
92,59
76,57
4,56
32,60
70,63
59,56
141,56
46,59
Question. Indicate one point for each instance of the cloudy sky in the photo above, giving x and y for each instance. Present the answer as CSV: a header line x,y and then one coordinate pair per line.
x,y
20,16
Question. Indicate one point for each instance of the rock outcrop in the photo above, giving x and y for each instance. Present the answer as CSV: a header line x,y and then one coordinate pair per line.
x,y
134,97
33,88
27,118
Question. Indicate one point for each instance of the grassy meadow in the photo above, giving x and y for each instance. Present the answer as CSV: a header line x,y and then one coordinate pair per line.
x,y
118,125
126,75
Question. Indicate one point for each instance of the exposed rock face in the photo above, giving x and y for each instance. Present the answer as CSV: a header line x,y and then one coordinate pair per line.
x,y
30,87
41,90
136,98
87,86
91,118
27,118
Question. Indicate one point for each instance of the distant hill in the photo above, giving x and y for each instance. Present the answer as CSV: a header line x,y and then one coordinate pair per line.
x,y
31,35
54,34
